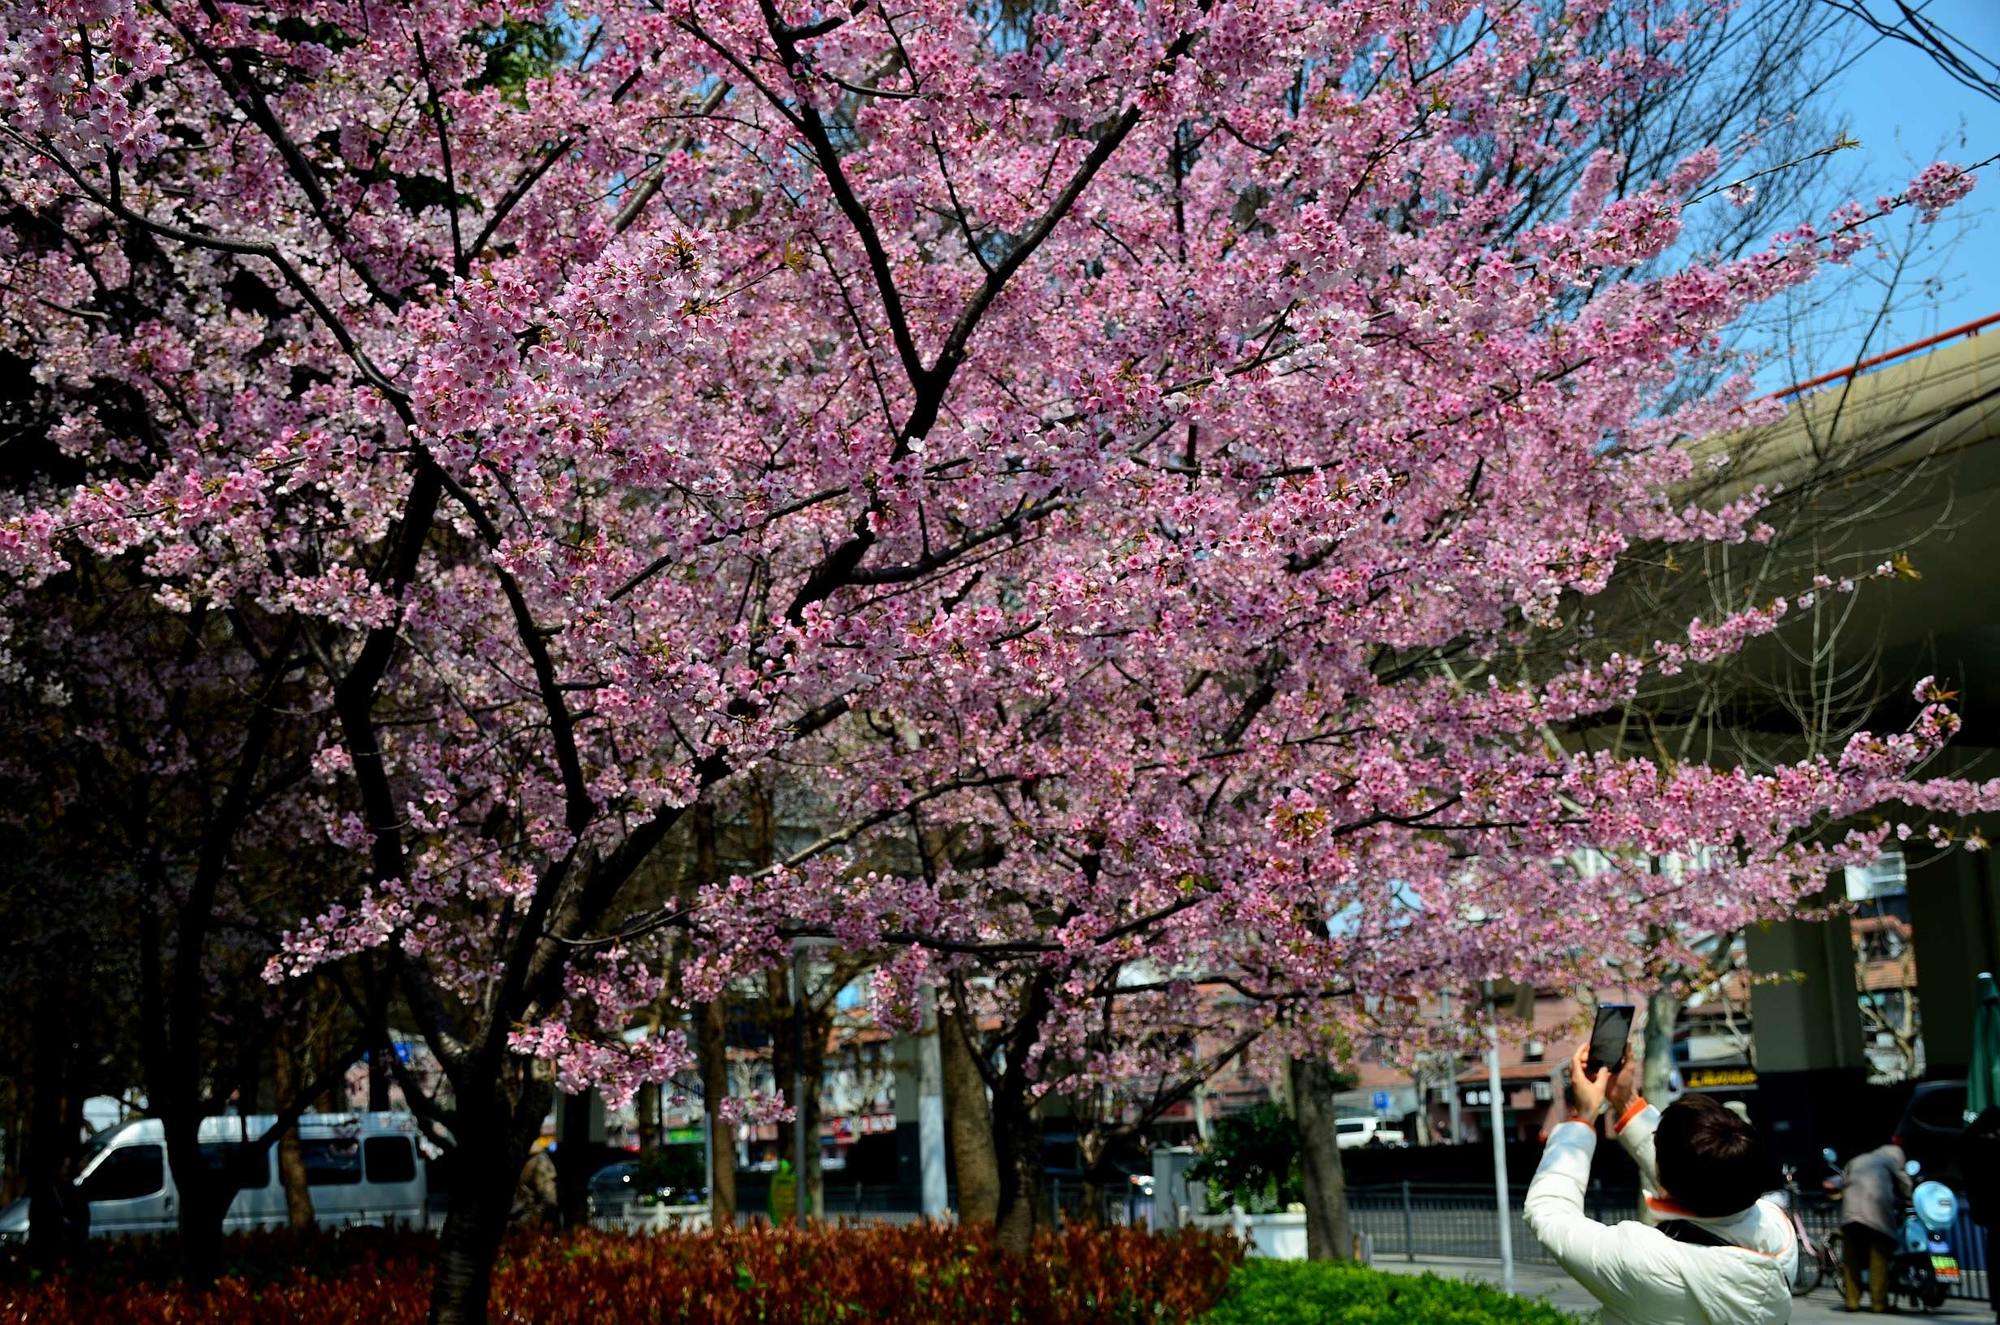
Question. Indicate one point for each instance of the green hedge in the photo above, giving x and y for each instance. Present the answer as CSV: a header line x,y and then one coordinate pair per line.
x,y
1312,1293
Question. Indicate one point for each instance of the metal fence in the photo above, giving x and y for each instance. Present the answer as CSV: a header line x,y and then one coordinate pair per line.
x,y
1409,1220
1121,1204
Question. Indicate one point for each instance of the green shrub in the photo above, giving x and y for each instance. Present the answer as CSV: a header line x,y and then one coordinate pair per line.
x,y
1317,1293
1251,1159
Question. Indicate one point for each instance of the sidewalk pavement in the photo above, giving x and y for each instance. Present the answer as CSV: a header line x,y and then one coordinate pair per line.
x,y
1822,1306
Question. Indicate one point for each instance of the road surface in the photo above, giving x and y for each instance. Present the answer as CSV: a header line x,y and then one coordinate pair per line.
x,y
1822,1306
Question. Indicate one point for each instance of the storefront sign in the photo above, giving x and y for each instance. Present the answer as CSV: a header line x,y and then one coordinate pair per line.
x,y
1719,1078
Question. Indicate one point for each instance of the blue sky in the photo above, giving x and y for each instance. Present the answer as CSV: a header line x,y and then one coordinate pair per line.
x,y
1908,113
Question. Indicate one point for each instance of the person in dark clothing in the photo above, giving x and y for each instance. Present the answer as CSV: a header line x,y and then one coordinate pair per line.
x,y
1979,1162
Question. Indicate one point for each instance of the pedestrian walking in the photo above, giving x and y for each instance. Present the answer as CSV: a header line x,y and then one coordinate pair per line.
x,y
1873,1188
1721,1254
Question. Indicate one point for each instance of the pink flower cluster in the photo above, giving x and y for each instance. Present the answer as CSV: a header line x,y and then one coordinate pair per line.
x,y
1131,478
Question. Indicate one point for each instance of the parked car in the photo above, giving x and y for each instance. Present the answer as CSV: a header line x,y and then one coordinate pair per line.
x,y
617,1186
361,1169
1352,1133
1932,1123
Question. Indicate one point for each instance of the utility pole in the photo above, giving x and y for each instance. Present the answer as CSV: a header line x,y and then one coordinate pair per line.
x,y
1500,1195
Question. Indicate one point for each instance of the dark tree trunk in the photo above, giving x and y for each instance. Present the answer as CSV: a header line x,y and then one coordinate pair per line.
x,y
712,1044
1093,1145
646,1105
1017,1145
711,1032
1017,1132
812,1076
1329,1235
493,1135
381,1052
203,1193
291,1160
53,1204
1663,1007
969,1120
783,1021
13,1180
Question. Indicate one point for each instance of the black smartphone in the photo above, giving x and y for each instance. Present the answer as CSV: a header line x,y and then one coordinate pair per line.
x,y
1609,1037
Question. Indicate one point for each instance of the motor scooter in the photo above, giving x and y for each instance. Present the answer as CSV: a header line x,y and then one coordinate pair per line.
x,y
1923,1266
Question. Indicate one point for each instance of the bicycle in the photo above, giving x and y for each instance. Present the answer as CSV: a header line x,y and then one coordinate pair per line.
x,y
1817,1262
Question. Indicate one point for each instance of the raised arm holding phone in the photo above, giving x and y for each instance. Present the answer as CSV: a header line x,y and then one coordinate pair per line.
x,y
1721,1254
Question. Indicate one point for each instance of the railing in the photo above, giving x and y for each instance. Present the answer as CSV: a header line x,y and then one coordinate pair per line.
x,y
1855,370
1410,1220
1121,1203
1425,1219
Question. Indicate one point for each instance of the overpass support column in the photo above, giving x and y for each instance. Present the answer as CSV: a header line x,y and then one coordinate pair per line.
x,y
919,1093
1955,919
1807,1027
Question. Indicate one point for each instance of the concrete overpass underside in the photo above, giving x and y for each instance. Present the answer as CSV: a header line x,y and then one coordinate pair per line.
x,y
1903,461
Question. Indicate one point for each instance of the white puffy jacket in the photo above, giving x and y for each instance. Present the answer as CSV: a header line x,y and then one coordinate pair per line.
x,y
1641,1275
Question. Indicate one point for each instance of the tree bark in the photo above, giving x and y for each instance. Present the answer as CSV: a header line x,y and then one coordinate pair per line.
x,y
969,1122
812,1076
299,1212
1017,1132
47,1152
1663,1007
1329,1234
204,1194
782,1017
712,1052
380,1050
647,1105
1092,1145
493,1135
712,1046
1017,1144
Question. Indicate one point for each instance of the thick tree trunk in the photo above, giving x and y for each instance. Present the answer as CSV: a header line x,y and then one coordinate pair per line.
x,y
53,1206
1017,1144
969,1123
203,1193
812,1076
1092,1144
1329,1234
783,1020
1663,1009
647,1105
711,1036
291,1161
1017,1131
712,1046
493,1141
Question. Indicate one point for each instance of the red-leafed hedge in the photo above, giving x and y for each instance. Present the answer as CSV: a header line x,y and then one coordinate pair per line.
x,y
921,1274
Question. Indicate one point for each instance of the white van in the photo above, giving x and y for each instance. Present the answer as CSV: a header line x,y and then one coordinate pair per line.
x,y
361,1168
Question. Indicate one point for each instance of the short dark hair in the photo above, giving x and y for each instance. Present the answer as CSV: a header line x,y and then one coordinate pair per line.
x,y
1711,1162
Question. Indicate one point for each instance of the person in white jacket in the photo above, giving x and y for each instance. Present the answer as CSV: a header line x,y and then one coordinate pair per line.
x,y
1720,1255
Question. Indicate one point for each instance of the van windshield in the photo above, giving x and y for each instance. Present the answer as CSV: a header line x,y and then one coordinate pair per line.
x,y
97,1143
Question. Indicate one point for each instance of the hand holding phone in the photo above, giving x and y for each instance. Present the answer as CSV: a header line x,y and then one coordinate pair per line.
x,y
1609,1038
1586,1088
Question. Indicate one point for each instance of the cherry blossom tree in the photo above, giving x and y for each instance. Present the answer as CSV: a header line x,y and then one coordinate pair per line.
x,y
1123,431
